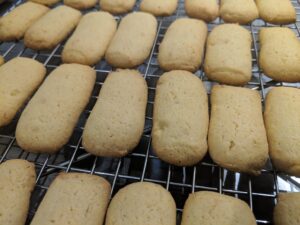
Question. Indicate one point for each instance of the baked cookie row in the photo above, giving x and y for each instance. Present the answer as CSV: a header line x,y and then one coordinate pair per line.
x,y
237,138
77,198
231,11
228,57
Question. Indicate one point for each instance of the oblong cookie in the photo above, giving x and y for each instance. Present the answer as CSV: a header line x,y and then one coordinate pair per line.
x,y
286,212
183,45
19,78
159,7
14,25
282,121
45,2
116,123
91,38
48,121
279,54
207,10
208,208
241,12
117,6
80,4
74,198
276,11
228,57
133,40
142,203
17,180
52,28
237,137
180,118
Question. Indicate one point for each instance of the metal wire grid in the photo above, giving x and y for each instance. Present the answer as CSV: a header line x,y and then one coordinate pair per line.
x,y
142,165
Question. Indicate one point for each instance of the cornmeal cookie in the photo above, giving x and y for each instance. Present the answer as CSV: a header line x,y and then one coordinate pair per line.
x,y
228,57
52,28
19,78
142,203
48,121
276,11
282,121
74,198
242,11
159,7
287,210
183,45
207,208
133,40
117,6
91,38
207,10
237,136
14,25
80,4
279,54
17,180
116,123
180,119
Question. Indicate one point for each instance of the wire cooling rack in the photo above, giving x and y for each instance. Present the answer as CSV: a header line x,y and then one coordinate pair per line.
x,y
142,165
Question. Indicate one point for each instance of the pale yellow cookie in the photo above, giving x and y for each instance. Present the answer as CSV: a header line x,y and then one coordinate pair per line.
x,y
52,28
117,6
19,78
237,136
207,10
183,45
159,7
17,181
180,119
90,40
73,199
282,121
48,120
133,40
14,25
276,11
116,123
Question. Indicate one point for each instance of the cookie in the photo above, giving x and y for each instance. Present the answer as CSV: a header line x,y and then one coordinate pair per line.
x,y
142,203
159,7
282,121
207,10
14,25
80,4
48,121
206,208
228,57
287,210
116,123
242,12
276,11
90,40
45,2
52,28
279,54
74,198
117,6
183,45
19,78
133,40
180,119
237,136
17,180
